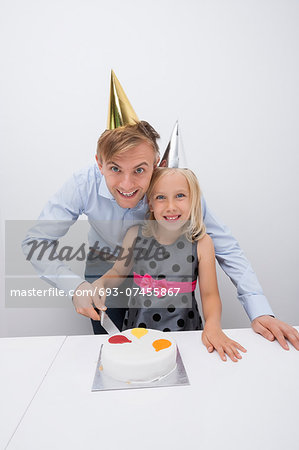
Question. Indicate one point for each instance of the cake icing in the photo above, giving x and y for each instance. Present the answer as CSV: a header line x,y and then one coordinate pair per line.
x,y
139,355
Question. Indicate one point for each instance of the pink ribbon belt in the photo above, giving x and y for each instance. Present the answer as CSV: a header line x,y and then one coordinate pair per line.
x,y
148,282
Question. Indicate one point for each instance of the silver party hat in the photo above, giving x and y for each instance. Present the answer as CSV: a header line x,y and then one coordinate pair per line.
x,y
174,155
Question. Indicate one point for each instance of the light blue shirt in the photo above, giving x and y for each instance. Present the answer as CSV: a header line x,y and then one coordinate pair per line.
x,y
86,193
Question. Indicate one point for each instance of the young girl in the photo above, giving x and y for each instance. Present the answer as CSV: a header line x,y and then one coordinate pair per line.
x,y
167,255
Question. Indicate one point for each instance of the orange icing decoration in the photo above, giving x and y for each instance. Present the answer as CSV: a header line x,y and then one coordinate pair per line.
x,y
160,344
139,332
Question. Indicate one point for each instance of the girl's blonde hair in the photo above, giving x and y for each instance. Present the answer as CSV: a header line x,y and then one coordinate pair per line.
x,y
195,228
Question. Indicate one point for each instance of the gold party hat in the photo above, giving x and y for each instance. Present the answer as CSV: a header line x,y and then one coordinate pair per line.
x,y
120,111
174,154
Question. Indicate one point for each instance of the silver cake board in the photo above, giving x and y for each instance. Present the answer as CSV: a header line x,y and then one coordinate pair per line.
x,y
102,382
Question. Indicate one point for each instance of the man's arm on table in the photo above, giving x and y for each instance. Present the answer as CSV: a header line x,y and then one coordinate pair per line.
x,y
61,211
234,263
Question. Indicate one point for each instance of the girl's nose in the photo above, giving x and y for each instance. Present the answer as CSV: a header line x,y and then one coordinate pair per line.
x,y
171,205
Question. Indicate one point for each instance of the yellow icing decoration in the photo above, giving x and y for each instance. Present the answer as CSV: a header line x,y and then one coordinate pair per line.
x,y
139,332
160,344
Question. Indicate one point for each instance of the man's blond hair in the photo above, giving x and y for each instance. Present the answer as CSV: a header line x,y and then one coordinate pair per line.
x,y
117,141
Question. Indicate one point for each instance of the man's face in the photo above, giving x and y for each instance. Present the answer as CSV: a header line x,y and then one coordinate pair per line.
x,y
128,175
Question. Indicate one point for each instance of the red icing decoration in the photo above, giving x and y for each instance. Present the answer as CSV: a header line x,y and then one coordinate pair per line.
x,y
118,339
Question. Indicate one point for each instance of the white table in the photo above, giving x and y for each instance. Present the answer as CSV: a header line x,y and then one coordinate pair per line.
x,y
252,404
24,363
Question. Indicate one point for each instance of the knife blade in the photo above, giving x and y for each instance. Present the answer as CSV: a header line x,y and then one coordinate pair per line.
x,y
108,324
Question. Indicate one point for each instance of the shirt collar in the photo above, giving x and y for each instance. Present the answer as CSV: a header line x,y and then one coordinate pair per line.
x,y
141,204
103,189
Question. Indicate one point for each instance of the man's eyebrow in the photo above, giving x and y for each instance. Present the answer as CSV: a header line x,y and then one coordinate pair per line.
x,y
113,163
144,163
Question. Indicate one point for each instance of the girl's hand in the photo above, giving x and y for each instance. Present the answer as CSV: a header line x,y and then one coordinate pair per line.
x,y
214,338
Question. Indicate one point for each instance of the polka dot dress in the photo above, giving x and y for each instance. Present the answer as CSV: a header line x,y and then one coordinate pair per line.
x,y
176,262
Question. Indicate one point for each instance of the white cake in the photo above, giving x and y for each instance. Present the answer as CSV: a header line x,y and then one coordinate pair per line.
x,y
139,355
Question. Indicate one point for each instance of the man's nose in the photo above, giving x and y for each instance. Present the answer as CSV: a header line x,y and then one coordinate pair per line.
x,y
127,182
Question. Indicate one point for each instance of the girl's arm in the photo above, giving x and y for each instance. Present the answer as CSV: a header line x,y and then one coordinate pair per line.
x,y
213,336
119,271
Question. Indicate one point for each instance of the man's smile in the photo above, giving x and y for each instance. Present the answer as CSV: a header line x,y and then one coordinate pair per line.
x,y
127,194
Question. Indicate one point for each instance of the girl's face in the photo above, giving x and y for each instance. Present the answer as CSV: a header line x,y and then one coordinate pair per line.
x,y
170,201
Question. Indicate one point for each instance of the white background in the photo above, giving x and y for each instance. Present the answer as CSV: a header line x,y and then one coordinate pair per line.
x,y
228,70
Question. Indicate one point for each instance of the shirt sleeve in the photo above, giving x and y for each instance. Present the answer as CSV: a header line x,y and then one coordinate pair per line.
x,y
59,214
236,266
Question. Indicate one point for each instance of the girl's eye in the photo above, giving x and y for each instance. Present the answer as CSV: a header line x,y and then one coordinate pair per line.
x,y
160,197
114,169
139,170
180,195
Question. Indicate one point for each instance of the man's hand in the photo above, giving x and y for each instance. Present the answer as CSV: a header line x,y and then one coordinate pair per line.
x,y
272,329
100,296
86,298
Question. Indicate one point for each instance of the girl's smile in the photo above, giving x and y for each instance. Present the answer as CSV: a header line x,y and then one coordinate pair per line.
x,y
172,218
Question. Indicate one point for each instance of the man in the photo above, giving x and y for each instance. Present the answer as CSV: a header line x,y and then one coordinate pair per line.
x,y
112,195
114,191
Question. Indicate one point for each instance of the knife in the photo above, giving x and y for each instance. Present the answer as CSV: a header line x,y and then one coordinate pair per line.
x,y
107,324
